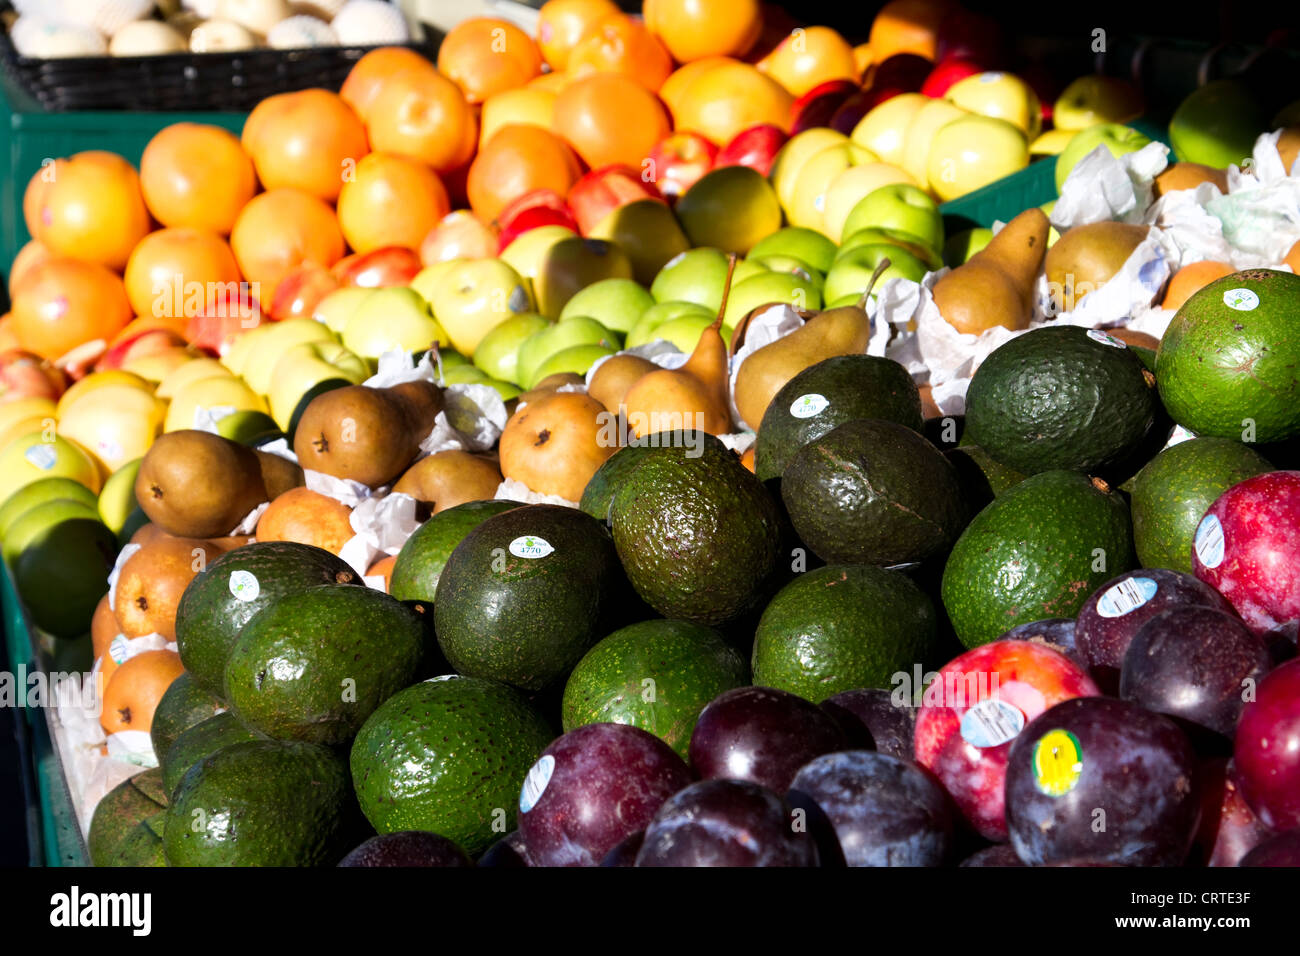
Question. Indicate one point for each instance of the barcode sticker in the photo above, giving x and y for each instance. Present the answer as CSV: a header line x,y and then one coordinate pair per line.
x,y
1209,542
1128,595
42,456
991,723
539,775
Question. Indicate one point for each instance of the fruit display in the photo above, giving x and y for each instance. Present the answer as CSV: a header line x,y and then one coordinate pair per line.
x,y
604,446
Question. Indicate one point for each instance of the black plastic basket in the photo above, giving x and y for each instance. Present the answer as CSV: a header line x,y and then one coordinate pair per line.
x,y
222,82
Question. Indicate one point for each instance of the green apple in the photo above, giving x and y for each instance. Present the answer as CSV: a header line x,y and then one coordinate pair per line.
x,y
117,499
1217,125
907,209
427,279
962,245
394,318
661,313
337,307
279,338
695,276
571,265
684,331
541,345
851,275
1002,96
526,253
884,129
973,151
872,236
790,265
615,303
731,208
807,245
851,187
647,231
464,375
36,522
303,367
809,201
1094,99
1120,140
577,359
475,296
498,351
39,492
770,287
245,427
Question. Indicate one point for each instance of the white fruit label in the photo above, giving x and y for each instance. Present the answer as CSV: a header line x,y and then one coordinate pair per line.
x,y
518,301
1097,335
1128,595
109,449
1209,542
991,723
806,406
244,586
1178,436
539,775
530,547
43,456
117,649
990,77
1243,300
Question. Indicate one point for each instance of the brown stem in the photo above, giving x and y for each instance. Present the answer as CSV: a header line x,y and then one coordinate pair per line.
x,y
881,266
726,291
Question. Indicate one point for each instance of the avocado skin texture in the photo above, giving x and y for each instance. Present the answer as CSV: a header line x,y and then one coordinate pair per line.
x,y
1054,398
855,386
202,740
689,665
209,616
699,537
599,493
182,706
873,492
843,627
420,562
1175,489
314,665
981,478
1038,551
444,756
524,620
263,803
119,832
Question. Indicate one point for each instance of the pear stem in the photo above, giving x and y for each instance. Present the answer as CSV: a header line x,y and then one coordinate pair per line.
x,y
726,291
437,357
881,266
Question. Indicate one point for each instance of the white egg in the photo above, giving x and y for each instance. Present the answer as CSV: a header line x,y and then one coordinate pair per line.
x,y
370,23
112,15
44,39
298,32
147,38
220,36
257,15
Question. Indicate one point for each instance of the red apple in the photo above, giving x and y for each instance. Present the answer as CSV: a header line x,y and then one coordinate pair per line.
x,y
970,35
755,147
540,207
901,73
601,191
301,288
678,160
459,235
380,268
947,72
225,318
80,362
818,105
25,375
1267,748
142,337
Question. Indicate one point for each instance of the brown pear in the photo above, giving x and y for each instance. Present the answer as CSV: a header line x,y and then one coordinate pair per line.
x,y
553,445
278,474
198,484
611,381
1086,258
996,286
307,517
449,478
152,581
366,434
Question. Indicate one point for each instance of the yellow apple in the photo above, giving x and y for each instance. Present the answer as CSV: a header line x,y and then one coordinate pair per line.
x,y
884,129
526,253
278,338
999,95
1051,143
852,185
337,307
474,297
425,283
972,152
115,424
920,132
98,380
155,366
220,391
816,176
191,371
21,409
21,426
44,454
304,366
798,150
242,348
393,318
1094,99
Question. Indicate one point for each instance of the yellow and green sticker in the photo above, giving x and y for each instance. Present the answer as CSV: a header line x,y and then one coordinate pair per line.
x,y
1058,762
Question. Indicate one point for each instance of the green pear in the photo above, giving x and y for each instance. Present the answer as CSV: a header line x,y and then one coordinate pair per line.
x,y
648,232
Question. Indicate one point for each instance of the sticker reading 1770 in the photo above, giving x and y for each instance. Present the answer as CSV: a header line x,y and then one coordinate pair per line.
x,y
1058,762
530,546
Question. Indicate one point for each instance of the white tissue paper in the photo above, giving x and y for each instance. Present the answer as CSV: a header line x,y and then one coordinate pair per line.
x,y
472,419
122,557
1131,290
344,490
512,490
1102,186
205,419
382,526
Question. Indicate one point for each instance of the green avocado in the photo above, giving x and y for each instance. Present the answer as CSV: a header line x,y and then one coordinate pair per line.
x,y
420,562
198,742
181,706
599,493
119,834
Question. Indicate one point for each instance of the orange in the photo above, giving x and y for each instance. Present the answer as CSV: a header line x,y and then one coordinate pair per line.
x,y
65,303
551,82
1190,279
673,87
485,56
694,29
809,57
610,118
34,195
622,45
561,24
1292,258
908,26
29,256
280,229
173,272
8,338
367,77
423,115
729,98
197,177
391,201
93,210
308,140
528,105
517,160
